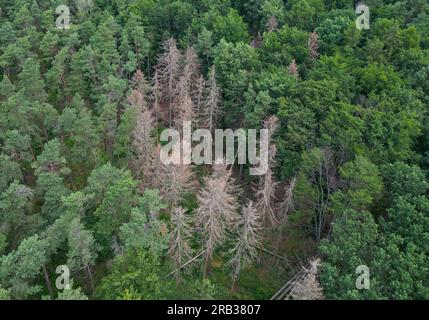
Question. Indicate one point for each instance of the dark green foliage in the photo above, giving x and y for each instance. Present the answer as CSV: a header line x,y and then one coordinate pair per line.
x,y
352,149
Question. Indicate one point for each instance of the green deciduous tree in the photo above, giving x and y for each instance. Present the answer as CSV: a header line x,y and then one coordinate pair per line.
x,y
136,275
20,268
82,249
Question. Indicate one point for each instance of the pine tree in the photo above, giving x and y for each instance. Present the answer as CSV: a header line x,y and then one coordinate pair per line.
x,y
7,88
84,6
50,169
57,75
15,206
10,171
30,81
82,249
145,230
78,130
72,294
51,160
115,208
204,45
108,126
18,147
20,268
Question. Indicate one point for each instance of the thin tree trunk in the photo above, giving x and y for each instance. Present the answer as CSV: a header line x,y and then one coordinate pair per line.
x,y
32,153
206,266
88,271
148,66
233,284
48,282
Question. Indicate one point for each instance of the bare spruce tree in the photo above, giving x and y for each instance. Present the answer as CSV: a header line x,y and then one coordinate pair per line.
x,y
285,207
143,141
307,286
198,98
154,172
313,46
168,72
287,204
185,112
248,228
174,181
189,76
266,191
272,24
139,82
216,213
293,69
211,110
157,97
180,251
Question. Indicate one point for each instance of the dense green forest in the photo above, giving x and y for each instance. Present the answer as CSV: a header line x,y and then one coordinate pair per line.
x,y
82,186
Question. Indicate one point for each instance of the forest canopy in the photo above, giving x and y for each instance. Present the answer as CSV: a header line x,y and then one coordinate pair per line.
x,y
86,91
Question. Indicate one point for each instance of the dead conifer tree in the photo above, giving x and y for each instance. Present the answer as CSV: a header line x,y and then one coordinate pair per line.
x,y
221,170
189,76
293,69
174,181
157,97
313,46
137,100
211,106
307,287
153,172
245,251
216,213
266,190
287,204
139,82
140,90
271,124
143,141
272,24
168,73
198,97
185,112
180,250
